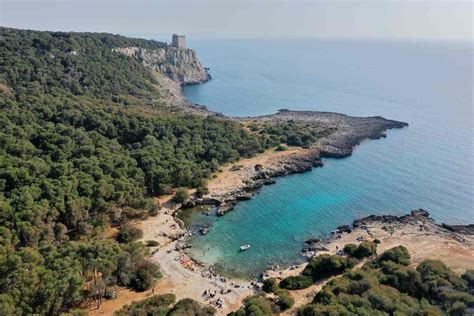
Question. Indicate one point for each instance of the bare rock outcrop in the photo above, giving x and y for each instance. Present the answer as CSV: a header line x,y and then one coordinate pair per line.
x,y
180,65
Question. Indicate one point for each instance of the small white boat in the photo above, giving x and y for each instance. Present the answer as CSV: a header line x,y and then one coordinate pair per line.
x,y
244,247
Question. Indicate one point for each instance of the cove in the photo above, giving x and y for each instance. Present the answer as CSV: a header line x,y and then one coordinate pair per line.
x,y
427,165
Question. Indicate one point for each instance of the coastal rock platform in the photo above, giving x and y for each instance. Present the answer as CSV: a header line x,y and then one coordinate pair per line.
x,y
238,181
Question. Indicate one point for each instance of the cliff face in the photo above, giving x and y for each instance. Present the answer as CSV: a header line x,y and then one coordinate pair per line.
x,y
180,65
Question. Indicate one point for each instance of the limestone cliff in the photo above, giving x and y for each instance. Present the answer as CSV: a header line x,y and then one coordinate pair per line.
x,y
180,65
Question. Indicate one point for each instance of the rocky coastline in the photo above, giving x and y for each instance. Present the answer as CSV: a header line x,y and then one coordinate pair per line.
x,y
413,217
350,132
420,218
181,67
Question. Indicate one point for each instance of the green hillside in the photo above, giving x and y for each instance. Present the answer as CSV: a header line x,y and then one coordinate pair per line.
x,y
85,144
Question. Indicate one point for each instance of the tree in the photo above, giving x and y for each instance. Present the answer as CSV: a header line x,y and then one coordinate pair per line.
x,y
296,282
128,234
327,265
181,196
365,249
270,285
201,191
397,254
284,299
350,249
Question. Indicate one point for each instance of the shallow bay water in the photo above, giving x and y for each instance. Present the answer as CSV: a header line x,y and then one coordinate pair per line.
x,y
428,165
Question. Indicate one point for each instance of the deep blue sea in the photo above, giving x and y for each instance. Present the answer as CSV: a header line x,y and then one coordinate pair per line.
x,y
427,165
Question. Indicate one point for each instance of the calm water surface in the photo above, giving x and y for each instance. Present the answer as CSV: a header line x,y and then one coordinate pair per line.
x,y
427,165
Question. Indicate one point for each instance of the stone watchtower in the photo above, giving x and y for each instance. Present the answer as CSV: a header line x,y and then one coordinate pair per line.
x,y
178,41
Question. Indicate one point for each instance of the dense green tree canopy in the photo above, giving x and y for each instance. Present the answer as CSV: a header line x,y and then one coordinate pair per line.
x,y
84,144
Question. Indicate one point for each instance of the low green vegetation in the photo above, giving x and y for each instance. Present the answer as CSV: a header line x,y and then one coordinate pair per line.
x,y
201,191
128,234
165,305
363,250
181,196
265,306
281,148
399,255
292,133
256,305
324,266
388,286
284,299
297,282
270,285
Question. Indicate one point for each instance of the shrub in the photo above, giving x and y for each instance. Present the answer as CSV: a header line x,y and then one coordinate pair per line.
x,y
389,287
143,280
405,279
255,305
317,309
469,277
201,191
365,249
327,265
437,272
284,300
350,249
397,254
189,306
281,148
296,282
457,309
153,210
377,241
325,296
270,285
181,196
129,233
154,305
144,275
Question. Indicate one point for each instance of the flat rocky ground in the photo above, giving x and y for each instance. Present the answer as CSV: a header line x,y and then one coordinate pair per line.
x,y
423,238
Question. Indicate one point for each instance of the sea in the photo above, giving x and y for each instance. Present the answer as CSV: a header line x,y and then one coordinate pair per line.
x,y
428,165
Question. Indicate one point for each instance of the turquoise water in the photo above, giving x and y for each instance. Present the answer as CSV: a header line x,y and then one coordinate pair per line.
x,y
427,165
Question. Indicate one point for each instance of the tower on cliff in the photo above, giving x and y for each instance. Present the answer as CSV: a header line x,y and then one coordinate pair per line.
x,y
178,41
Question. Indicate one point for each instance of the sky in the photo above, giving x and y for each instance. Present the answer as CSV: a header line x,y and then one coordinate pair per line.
x,y
373,19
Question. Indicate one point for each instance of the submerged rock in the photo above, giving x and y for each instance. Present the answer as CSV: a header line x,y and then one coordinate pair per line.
x,y
312,241
344,229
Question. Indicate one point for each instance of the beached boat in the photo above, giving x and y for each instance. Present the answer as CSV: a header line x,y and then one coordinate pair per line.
x,y
244,247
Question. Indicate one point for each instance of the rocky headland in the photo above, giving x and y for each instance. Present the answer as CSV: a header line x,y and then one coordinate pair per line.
x,y
176,67
239,181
